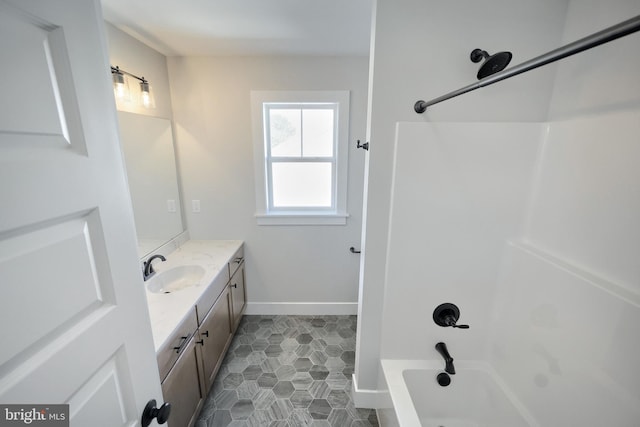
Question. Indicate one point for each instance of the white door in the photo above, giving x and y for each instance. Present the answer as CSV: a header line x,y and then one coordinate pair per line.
x,y
74,326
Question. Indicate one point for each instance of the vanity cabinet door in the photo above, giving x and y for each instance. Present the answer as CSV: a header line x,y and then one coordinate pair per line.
x,y
182,388
238,294
215,335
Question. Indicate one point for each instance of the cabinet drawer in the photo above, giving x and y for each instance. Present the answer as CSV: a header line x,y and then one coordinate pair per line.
x,y
175,345
236,260
181,388
205,302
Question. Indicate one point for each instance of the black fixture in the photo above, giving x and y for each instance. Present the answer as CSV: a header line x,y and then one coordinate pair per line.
x,y
447,314
148,270
606,35
443,379
365,145
183,341
448,360
353,250
150,412
492,64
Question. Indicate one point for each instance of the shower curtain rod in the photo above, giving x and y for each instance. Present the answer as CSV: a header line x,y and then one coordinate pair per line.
x,y
608,34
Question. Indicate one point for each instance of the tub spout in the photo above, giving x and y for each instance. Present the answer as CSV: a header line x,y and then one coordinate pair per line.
x,y
448,360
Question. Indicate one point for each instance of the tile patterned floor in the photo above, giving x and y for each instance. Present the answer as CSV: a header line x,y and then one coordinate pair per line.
x,y
287,371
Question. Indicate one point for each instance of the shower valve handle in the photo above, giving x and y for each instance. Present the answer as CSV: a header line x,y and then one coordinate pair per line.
x,y
461,326
451,321
447,315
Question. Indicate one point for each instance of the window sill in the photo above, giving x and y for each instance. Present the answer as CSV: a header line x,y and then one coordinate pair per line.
x,y
302,219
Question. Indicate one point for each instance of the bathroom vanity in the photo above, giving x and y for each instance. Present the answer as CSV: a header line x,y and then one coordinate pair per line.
x,y
193,320
196,297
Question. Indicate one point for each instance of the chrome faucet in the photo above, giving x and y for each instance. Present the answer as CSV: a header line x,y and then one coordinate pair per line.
x,y
147,269
448,360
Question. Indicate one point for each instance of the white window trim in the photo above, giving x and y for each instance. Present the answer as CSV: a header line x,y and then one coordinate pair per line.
x,y
339,215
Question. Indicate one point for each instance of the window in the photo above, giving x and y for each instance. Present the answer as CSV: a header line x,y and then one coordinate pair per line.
x,y
301,151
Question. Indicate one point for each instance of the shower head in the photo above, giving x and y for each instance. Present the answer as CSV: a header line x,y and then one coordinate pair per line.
x,y
492,64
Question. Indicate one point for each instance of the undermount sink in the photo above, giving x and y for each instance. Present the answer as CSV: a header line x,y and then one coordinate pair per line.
x,y
175,279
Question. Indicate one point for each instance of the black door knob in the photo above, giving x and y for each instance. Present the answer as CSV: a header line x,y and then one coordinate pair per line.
x,y
150,412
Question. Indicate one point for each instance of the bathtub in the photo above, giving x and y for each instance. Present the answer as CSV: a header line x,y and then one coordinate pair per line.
x,y
476,397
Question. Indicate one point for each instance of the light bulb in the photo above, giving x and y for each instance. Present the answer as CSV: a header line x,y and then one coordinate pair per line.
x,y
145,95
120,87
146,99
119,90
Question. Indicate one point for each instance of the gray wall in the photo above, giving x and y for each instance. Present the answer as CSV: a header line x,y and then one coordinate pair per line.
x,y
212,113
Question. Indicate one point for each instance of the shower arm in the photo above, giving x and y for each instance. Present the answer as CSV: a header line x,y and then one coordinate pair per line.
x,y
608,34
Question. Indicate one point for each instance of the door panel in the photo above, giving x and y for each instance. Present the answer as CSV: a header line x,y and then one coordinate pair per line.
x,y
74,323
62,253
40,105
31,107
104,397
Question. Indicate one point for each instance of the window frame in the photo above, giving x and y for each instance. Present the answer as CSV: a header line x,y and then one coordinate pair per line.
x,y
266,214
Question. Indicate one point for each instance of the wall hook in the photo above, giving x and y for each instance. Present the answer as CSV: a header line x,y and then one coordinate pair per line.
x,y
365,145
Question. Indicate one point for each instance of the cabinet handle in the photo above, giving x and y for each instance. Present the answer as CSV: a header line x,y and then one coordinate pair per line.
x,y
235,285
237,260
183,342
201,342
206,334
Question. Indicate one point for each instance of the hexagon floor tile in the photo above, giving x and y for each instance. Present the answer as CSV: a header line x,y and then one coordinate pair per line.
x,y
287,371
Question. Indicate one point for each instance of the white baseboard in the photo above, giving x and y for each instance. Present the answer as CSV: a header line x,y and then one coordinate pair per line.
x,y
387,417
302,308
372,399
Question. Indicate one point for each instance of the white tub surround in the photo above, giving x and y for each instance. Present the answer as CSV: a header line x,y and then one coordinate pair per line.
x,y
368,398
476,397
168,310
447,235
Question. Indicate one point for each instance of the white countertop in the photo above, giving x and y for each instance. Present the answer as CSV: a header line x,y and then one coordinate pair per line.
x,y
167,310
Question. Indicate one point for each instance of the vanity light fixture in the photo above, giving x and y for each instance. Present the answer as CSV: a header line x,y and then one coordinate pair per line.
x,y
121,87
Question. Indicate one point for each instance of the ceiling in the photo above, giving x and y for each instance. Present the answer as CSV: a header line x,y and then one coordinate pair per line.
x,y
245,27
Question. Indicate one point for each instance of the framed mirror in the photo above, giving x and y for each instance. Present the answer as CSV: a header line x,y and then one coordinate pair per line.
x,y
147,143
